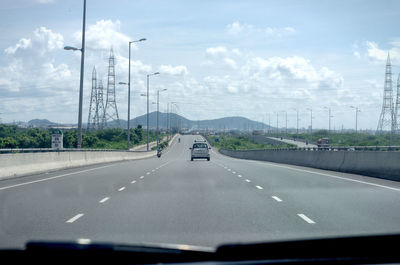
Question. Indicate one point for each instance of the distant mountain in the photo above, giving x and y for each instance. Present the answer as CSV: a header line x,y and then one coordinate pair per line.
x,y
227,123
40,123
176,121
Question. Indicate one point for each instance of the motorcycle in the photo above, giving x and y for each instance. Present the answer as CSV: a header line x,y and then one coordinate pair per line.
x,y
158,153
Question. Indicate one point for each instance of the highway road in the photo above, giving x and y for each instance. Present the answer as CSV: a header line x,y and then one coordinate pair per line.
x,y
174,200
297,143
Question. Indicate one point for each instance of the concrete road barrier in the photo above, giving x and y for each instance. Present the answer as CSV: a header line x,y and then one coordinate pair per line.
x,y
378,164
20,164
13,165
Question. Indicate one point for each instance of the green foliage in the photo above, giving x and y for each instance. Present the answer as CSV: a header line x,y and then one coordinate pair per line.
x,y
232,142
349,139
13,137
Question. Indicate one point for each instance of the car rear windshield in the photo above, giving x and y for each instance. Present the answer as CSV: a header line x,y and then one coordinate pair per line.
x,y
199,146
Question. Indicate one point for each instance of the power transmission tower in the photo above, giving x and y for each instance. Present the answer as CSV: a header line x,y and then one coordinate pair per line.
x,y
93,113
100,106
397,108
386,118
111,111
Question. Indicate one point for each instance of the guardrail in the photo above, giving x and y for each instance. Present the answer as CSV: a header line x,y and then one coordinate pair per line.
x,y
341,148
39,150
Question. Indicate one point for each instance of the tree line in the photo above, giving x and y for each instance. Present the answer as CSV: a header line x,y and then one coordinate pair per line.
x,y
12,136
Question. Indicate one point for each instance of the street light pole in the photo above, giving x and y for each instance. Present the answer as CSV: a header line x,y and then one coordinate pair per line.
x,y
310,118
158,111
156,73
330,116
357,111
129,95
285,122
81,78
147,116
82,49
297,120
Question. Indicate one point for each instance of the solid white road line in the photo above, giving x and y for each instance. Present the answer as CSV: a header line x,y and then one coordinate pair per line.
x,y
276,198
239,176
50,178
305,218
121,189
104,200
331,176
76,217
133,181
259,187
247,180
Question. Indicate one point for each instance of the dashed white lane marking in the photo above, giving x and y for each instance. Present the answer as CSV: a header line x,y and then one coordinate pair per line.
x,y
152,170
76,217
141,177
276,198
259,187
121,189
55,177
247,180
239,176
229,169
133,181
305,218
233,172
104,200
148,173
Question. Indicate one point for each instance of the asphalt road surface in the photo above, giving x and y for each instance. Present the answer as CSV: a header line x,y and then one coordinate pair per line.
x,y
173,200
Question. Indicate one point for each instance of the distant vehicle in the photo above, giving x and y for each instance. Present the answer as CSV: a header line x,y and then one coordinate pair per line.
x,y
159,152
324,143
200,149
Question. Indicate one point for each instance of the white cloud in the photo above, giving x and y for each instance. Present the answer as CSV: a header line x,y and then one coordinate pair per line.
x,y
230,62
237,28
103,35
43,40
45,1
215,51
357,54
22,44
173,70
376,54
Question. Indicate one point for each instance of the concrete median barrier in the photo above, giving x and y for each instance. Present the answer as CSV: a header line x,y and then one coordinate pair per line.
x,y
13,165
378,164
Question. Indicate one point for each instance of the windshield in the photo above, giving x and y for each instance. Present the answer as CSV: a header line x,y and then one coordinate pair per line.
x,y
296,102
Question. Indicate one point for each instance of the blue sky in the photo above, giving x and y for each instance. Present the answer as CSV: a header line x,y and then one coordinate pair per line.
x,y
247,58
